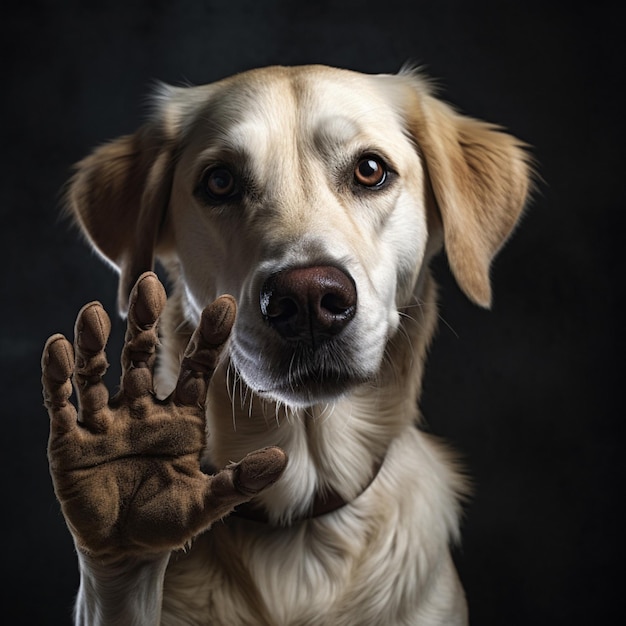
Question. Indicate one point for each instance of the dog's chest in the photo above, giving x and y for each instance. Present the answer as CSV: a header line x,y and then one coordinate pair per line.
x,y
315,573
244,572
383,559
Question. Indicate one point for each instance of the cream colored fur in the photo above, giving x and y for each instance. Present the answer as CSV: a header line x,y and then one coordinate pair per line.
x,y
293,135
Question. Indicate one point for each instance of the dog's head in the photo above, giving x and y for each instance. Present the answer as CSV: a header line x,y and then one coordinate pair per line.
x,y
316,197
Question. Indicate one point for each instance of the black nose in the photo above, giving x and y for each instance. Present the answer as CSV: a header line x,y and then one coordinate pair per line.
x,y
309,304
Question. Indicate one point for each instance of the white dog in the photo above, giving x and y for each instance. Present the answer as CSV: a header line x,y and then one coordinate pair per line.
x,y
316,197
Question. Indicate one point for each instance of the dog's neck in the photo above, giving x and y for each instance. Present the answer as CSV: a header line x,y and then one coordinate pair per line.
x,y
333,448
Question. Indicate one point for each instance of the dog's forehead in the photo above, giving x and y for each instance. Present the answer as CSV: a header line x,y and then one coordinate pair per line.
x,y
312,104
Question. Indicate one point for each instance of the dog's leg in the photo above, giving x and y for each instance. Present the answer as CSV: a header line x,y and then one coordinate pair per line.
x,y
126,470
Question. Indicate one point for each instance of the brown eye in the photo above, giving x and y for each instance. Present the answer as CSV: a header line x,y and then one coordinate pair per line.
x,y
370,172
219,183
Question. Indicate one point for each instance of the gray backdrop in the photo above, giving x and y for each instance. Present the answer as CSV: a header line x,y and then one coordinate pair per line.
x,y
529,393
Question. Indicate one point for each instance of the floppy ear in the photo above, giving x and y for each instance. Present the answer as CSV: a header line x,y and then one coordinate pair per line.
x,y
480,178
119,196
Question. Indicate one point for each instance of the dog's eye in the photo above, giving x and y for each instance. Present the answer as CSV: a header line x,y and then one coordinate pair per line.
x,y
219,183
370,172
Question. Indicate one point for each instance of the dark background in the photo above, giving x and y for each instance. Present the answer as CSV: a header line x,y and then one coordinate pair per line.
x,y
529,392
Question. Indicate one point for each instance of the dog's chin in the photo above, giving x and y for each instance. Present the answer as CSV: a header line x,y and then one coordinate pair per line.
x,y
305,393
300,378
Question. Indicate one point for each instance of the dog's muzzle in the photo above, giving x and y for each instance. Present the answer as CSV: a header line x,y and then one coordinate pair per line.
x,y
308,305
312,347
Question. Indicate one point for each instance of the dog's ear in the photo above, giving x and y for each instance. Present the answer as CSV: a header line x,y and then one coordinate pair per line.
x,y
480,179
119,195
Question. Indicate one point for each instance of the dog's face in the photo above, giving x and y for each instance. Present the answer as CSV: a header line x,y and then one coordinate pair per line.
x,y
305,200
314,196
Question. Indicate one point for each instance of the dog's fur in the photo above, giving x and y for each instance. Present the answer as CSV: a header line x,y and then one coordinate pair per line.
x,y
293,137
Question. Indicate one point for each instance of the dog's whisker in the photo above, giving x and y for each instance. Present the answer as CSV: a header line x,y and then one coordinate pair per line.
x,y
249,401
229,373
406,336
422,305
182,328
329,410
263,405
449,326
232,392
278,406
243,390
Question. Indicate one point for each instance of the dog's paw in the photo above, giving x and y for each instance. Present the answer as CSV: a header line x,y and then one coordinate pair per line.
x,y
126,469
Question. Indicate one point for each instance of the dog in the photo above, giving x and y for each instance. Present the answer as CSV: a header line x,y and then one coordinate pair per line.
x,y
316,197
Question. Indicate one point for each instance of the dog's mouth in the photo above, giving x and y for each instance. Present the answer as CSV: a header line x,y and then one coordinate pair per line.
x,y
308,376
299,376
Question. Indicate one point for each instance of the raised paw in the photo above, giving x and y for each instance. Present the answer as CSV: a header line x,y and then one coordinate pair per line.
x,y
126,469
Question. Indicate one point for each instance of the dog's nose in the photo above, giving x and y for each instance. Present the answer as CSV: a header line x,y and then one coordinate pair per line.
x,y
309,304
